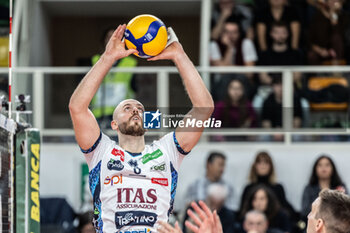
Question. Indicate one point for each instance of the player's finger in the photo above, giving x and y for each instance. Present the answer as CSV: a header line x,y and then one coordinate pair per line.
x,y
194,217
120,32
198,210
192,227
166,226
156,58
161,230
177,227
205,208
114,35
131,51
218,225
117,32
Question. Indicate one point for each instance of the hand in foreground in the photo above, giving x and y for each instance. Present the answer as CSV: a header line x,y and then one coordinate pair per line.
x,y
167,228
115,47
206,221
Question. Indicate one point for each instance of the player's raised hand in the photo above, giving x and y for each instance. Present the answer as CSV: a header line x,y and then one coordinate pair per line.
x,y
172,50
115,47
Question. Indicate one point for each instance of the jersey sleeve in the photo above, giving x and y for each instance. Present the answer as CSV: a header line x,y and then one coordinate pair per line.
x,y
95,153
172,149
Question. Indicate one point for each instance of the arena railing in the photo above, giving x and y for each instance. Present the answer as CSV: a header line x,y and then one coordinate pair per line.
x,y
162,76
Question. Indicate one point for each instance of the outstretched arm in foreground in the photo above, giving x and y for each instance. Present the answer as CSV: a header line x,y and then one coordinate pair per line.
x,y
85,125
204,222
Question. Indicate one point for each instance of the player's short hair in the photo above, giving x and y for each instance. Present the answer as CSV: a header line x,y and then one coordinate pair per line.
x,y
213,155
334,210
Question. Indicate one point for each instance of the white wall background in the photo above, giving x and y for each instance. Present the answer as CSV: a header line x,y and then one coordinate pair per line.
x,y
60,167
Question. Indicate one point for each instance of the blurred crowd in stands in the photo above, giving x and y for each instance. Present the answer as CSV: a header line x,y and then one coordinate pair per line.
x,y
263,201
280,33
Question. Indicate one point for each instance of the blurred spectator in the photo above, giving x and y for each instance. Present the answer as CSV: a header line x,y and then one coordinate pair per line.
x,y
216,198
85,223
261,198
272,108
262,172
224,9
324,176
278,11
232,48
229,50
236,110
217,195
280,53
215,167
115,87
327,33
256,222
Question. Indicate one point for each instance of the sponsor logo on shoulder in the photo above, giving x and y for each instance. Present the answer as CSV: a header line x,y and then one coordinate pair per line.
x,y
161,167
134,218
151,156
113,180
160,181
118,153
115,165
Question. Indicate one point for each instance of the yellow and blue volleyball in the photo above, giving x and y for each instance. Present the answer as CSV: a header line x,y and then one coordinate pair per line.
x,y
147,34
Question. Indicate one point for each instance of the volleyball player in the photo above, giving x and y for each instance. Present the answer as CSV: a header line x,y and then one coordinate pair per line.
x,y
133,184
330,213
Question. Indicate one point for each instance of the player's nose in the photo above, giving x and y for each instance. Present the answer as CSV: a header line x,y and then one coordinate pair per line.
x,y
135,110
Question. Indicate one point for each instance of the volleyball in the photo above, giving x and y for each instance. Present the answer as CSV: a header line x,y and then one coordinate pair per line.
x,y
147,34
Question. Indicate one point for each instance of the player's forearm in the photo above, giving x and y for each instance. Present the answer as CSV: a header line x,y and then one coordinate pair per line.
x,y
196,89
88,87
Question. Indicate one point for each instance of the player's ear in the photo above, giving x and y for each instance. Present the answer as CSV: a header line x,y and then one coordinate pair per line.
x,y
114,125
319,225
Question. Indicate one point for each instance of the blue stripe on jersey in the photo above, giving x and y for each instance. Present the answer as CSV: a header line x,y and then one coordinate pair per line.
x,y
95,188
178,146
149,36
93,146
174,176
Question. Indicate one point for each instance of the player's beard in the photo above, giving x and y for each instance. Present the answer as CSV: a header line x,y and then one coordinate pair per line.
x,y
132,130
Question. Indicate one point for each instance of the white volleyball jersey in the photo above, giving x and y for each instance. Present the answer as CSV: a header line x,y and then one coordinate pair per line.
x,y
132,192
